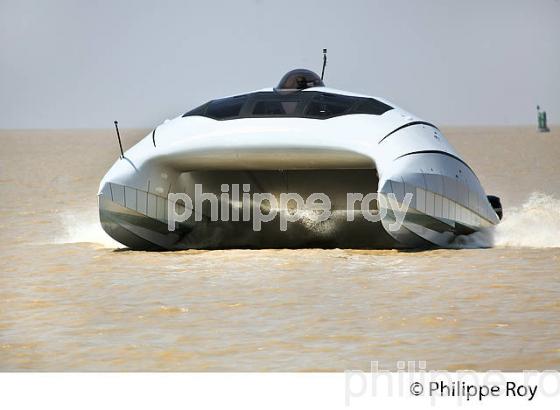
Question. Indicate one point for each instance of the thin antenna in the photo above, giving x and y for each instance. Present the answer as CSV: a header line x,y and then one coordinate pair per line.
x,y
119,138
324,63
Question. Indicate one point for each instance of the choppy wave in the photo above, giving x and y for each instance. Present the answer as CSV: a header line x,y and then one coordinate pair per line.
x,y
84,228
535,224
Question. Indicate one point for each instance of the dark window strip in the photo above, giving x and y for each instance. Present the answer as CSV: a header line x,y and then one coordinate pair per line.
x,y
314,105
408,125
433,151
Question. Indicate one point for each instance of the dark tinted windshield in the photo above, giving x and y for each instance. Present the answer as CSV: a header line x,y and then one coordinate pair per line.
x,y
310,104
329,105
226,108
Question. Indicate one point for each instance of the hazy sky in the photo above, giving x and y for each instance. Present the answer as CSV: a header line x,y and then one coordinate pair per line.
x,y
70,64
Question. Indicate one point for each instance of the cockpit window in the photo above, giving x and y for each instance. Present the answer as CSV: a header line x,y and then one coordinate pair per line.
x,y
370,106
275,107
226,108
197,111
309,104
329,105
269,108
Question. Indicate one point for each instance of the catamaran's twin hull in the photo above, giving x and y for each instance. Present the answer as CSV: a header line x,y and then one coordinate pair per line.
x,y
391,155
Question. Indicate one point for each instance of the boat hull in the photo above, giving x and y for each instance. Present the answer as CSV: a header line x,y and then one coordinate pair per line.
x,y
425,192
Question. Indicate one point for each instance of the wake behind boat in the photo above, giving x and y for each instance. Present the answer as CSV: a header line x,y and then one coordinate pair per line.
x,y
300,137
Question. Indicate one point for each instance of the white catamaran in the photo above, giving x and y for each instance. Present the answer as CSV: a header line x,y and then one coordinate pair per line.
x,y
302,137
